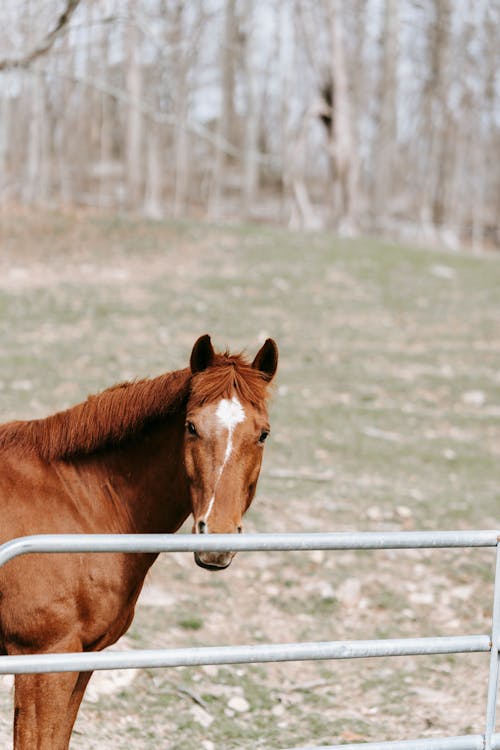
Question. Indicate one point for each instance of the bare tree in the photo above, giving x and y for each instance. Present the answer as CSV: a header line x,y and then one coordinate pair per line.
x,y
436,114
251,166
385,141
226,124
44,45
347,114
343,156
134,128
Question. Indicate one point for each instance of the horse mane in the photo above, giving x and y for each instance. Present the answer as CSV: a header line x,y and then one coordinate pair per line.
x,y
102,420
122,411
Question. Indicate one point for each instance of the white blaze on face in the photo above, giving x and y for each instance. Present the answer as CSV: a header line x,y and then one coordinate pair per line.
x,y
229,414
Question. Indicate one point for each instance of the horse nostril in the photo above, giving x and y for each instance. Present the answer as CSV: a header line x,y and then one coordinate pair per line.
x,y
202,527
240,529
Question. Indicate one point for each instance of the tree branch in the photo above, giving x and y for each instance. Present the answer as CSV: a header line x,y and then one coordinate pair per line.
x,y
162,118
46,44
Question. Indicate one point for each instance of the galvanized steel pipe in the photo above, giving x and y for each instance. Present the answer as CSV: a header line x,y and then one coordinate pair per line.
x,y
466,742
344,540
156,543
188,657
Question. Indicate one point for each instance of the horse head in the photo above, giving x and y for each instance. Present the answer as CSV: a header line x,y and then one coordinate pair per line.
x,y
226,427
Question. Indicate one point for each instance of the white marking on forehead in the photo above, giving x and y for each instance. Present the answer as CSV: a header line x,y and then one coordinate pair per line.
x,y
229,413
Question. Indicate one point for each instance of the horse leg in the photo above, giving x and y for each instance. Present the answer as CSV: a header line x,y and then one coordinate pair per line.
x,y
45,709
46,705
77,695
74,704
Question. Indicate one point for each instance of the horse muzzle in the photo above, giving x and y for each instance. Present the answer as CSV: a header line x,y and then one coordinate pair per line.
x,y
213,560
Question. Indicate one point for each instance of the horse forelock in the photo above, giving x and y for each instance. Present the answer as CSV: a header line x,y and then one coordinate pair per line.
x,y
228,376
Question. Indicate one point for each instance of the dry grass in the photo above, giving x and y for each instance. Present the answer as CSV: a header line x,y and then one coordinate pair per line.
x,y
386,416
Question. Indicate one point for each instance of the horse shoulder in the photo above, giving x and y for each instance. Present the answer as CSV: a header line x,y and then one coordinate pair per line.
x,y
43,597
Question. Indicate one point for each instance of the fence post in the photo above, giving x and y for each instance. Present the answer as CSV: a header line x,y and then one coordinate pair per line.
x,y
494,659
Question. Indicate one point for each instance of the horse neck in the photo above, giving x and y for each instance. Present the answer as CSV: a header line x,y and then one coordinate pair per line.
x,y
143,480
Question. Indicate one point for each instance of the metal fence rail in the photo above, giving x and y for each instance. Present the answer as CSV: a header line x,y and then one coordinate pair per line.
x,y
196,656
58,543
466,742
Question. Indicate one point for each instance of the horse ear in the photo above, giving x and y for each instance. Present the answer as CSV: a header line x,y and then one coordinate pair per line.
x,y
202,355
266,359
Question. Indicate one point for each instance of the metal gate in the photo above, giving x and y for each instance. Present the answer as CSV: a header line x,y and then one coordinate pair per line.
x,y
286,651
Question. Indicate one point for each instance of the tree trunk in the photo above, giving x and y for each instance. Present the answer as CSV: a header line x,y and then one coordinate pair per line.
x,y
385,142
251,164
182,140
133,143
226,123
342,151
35,181
436,116
153,203
4,141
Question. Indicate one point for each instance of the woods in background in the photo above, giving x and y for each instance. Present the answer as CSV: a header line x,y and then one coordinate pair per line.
x,y
362,115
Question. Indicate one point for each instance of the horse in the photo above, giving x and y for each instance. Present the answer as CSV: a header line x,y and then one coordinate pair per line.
x,y
139,457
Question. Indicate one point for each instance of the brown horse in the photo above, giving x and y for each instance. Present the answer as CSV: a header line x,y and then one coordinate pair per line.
x,y
137,458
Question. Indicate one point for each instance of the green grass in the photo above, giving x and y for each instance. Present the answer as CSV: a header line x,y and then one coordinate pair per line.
x,y
381,353
191,623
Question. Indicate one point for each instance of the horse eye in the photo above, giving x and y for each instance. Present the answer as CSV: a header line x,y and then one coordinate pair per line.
x,y
263,436
191,428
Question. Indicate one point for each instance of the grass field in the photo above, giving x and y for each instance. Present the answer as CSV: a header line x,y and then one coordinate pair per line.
x,y
386,415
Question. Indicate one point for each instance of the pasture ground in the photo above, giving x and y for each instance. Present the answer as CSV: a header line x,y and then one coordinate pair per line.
x,y
386,415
